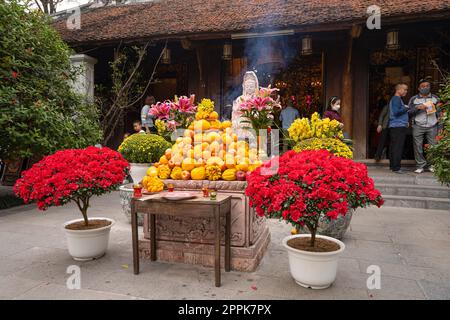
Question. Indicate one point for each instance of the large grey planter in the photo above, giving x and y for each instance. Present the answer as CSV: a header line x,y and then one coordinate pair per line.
x,y
332,228
126,193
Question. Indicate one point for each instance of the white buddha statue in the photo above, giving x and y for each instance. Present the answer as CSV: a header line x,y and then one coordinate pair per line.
x,y
250,87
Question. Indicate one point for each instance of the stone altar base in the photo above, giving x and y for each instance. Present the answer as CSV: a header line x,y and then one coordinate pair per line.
x,y
191,240
242,258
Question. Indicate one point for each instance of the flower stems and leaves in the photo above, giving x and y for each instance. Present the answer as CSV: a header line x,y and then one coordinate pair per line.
x,y
310,185
171,115
317,134
258,111
335,146
305,128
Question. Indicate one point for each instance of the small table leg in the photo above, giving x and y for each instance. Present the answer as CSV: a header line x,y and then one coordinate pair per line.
x,y
153,237
228,241
217,247
134,236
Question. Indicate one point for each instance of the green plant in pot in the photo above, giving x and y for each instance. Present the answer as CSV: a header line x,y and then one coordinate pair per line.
x,y
302,188
141,150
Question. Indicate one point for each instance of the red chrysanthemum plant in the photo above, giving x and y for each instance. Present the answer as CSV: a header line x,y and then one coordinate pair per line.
x,y
308,185
72,175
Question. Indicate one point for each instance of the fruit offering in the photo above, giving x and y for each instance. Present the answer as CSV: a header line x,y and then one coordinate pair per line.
x,y
152,184
208,149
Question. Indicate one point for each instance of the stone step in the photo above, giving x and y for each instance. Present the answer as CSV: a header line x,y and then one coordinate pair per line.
x,y
423,191
408,179
385,163
417,202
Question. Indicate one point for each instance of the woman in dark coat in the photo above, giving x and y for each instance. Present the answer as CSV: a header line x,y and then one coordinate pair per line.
x,y
334,106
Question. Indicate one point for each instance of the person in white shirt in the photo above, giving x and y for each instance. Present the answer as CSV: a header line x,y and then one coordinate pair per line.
x,y
288,115
146,119
137,126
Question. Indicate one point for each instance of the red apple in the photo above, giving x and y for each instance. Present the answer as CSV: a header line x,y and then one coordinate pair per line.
x,y
241,175
185,175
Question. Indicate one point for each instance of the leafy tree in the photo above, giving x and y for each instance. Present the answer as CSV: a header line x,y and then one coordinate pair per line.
x,y
439,154
47,6
40,112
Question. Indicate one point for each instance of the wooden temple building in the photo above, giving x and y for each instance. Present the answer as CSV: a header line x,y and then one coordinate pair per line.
x,y
310,49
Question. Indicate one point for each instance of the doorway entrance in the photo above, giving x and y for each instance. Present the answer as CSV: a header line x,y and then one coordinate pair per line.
x,y
389,67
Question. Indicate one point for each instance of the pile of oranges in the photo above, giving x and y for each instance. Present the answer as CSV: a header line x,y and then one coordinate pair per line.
x,y
208,150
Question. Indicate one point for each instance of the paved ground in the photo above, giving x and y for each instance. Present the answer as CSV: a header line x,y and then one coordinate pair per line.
x,y
411,246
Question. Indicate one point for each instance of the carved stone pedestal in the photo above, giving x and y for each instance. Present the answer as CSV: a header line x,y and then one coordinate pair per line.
x,y
190,240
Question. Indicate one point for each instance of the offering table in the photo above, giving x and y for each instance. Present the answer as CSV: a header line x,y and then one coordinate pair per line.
x,y
198,206
190,239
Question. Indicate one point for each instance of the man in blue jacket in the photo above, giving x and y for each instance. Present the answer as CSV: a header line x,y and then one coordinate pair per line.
x,y
398,126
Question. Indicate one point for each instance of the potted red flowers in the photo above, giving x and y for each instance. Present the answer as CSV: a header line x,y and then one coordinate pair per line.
x,y
76,175
303,188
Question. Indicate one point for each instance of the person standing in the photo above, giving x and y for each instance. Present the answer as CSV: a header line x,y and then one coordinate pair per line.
x,y
422,109
334,106
146,118
398,127
383,129
288,115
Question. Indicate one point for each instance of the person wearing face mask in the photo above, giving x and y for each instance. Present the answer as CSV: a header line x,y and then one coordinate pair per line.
x,y
334,106
423,110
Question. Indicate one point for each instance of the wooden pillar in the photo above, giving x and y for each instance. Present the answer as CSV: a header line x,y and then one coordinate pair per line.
x,y
200,51
360,99
347,83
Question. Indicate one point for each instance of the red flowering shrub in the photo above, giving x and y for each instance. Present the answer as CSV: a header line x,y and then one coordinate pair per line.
x,y
72,175
311,184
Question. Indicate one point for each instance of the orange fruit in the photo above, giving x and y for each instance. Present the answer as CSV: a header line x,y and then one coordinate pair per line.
x,y
206,154
215,161
163,160
213,115
168,154
205,146
226,124
188,164
152,171
188,133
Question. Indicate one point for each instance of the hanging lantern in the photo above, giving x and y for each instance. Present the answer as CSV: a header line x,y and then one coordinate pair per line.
x,y
392,40
306,45
165,59
227,51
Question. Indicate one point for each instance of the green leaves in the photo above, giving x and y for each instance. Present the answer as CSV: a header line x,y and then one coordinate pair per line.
x,y
143,148
439,154
40,113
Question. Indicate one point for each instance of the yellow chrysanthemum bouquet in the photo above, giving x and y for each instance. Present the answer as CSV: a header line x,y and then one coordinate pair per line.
x,y
316,134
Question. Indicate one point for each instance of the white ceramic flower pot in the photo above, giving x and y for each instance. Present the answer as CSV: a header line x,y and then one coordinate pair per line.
x,y
316,270
90,244
138,171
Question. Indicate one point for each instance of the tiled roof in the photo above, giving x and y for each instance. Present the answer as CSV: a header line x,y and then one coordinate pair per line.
x,y
160,18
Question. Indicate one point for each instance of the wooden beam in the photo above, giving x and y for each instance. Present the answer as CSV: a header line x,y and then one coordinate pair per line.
x,y
347,82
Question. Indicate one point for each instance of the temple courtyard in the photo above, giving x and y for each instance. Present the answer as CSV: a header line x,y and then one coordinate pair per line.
x,y
410,246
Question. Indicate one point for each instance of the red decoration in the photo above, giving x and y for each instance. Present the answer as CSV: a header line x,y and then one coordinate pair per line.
x,y
311,183
68,174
